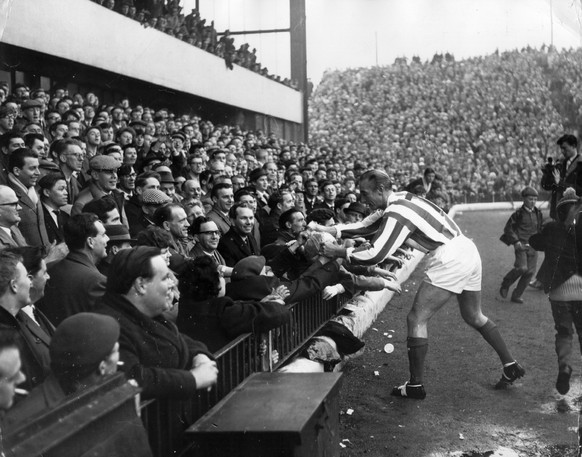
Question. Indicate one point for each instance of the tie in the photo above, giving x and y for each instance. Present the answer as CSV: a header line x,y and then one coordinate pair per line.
x,y
69,192
57,216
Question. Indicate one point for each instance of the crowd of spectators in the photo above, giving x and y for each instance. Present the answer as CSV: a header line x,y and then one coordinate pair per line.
x,y
220,215
485,124
166,16
183,233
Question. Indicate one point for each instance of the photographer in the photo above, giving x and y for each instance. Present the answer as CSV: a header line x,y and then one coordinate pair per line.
x,y
565,173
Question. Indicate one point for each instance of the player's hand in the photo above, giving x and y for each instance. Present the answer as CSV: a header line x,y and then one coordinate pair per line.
x,y
332,250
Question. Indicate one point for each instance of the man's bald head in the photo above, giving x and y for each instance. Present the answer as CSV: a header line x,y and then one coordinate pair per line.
x,y
7,195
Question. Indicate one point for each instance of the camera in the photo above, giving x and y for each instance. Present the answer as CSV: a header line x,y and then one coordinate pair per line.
x,y
549,166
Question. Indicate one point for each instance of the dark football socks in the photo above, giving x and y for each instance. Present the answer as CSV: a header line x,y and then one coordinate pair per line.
x,y
417,349
490,332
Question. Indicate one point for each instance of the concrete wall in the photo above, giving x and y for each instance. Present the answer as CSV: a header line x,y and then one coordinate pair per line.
x,y
84,32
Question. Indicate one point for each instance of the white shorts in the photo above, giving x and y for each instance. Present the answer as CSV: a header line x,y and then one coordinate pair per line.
x,y
455,266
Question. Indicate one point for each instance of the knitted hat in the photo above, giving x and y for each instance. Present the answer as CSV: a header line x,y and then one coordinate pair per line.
x,y
529,192
82,341
249,266
569,197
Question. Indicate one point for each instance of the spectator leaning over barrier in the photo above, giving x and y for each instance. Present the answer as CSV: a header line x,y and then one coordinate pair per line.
x,y
455,269
522,224
214,319
564,173
285,255
165,363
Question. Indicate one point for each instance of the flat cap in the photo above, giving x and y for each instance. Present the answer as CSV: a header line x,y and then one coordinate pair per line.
x,y
529,192
155,197
104,162
83,340
180,135
31,103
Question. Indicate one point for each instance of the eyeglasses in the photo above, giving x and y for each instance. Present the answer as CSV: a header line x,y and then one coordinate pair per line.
x,y
211,232
131,175
16,203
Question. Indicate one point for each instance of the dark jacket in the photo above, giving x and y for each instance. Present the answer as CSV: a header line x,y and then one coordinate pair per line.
x,y
233,248
33,345
521,225
54,232
217,321
270,227
74,286
45,396
138,225
563,253
312,281
197,251
153,351
133,211
570,177
283,262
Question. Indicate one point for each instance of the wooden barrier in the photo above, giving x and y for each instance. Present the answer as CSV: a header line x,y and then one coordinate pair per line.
x,y
101,421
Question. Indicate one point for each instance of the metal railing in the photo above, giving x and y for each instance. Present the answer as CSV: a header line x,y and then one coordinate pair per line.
x,y
165,420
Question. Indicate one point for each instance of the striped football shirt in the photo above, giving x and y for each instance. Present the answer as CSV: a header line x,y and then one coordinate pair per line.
x,y
407,216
